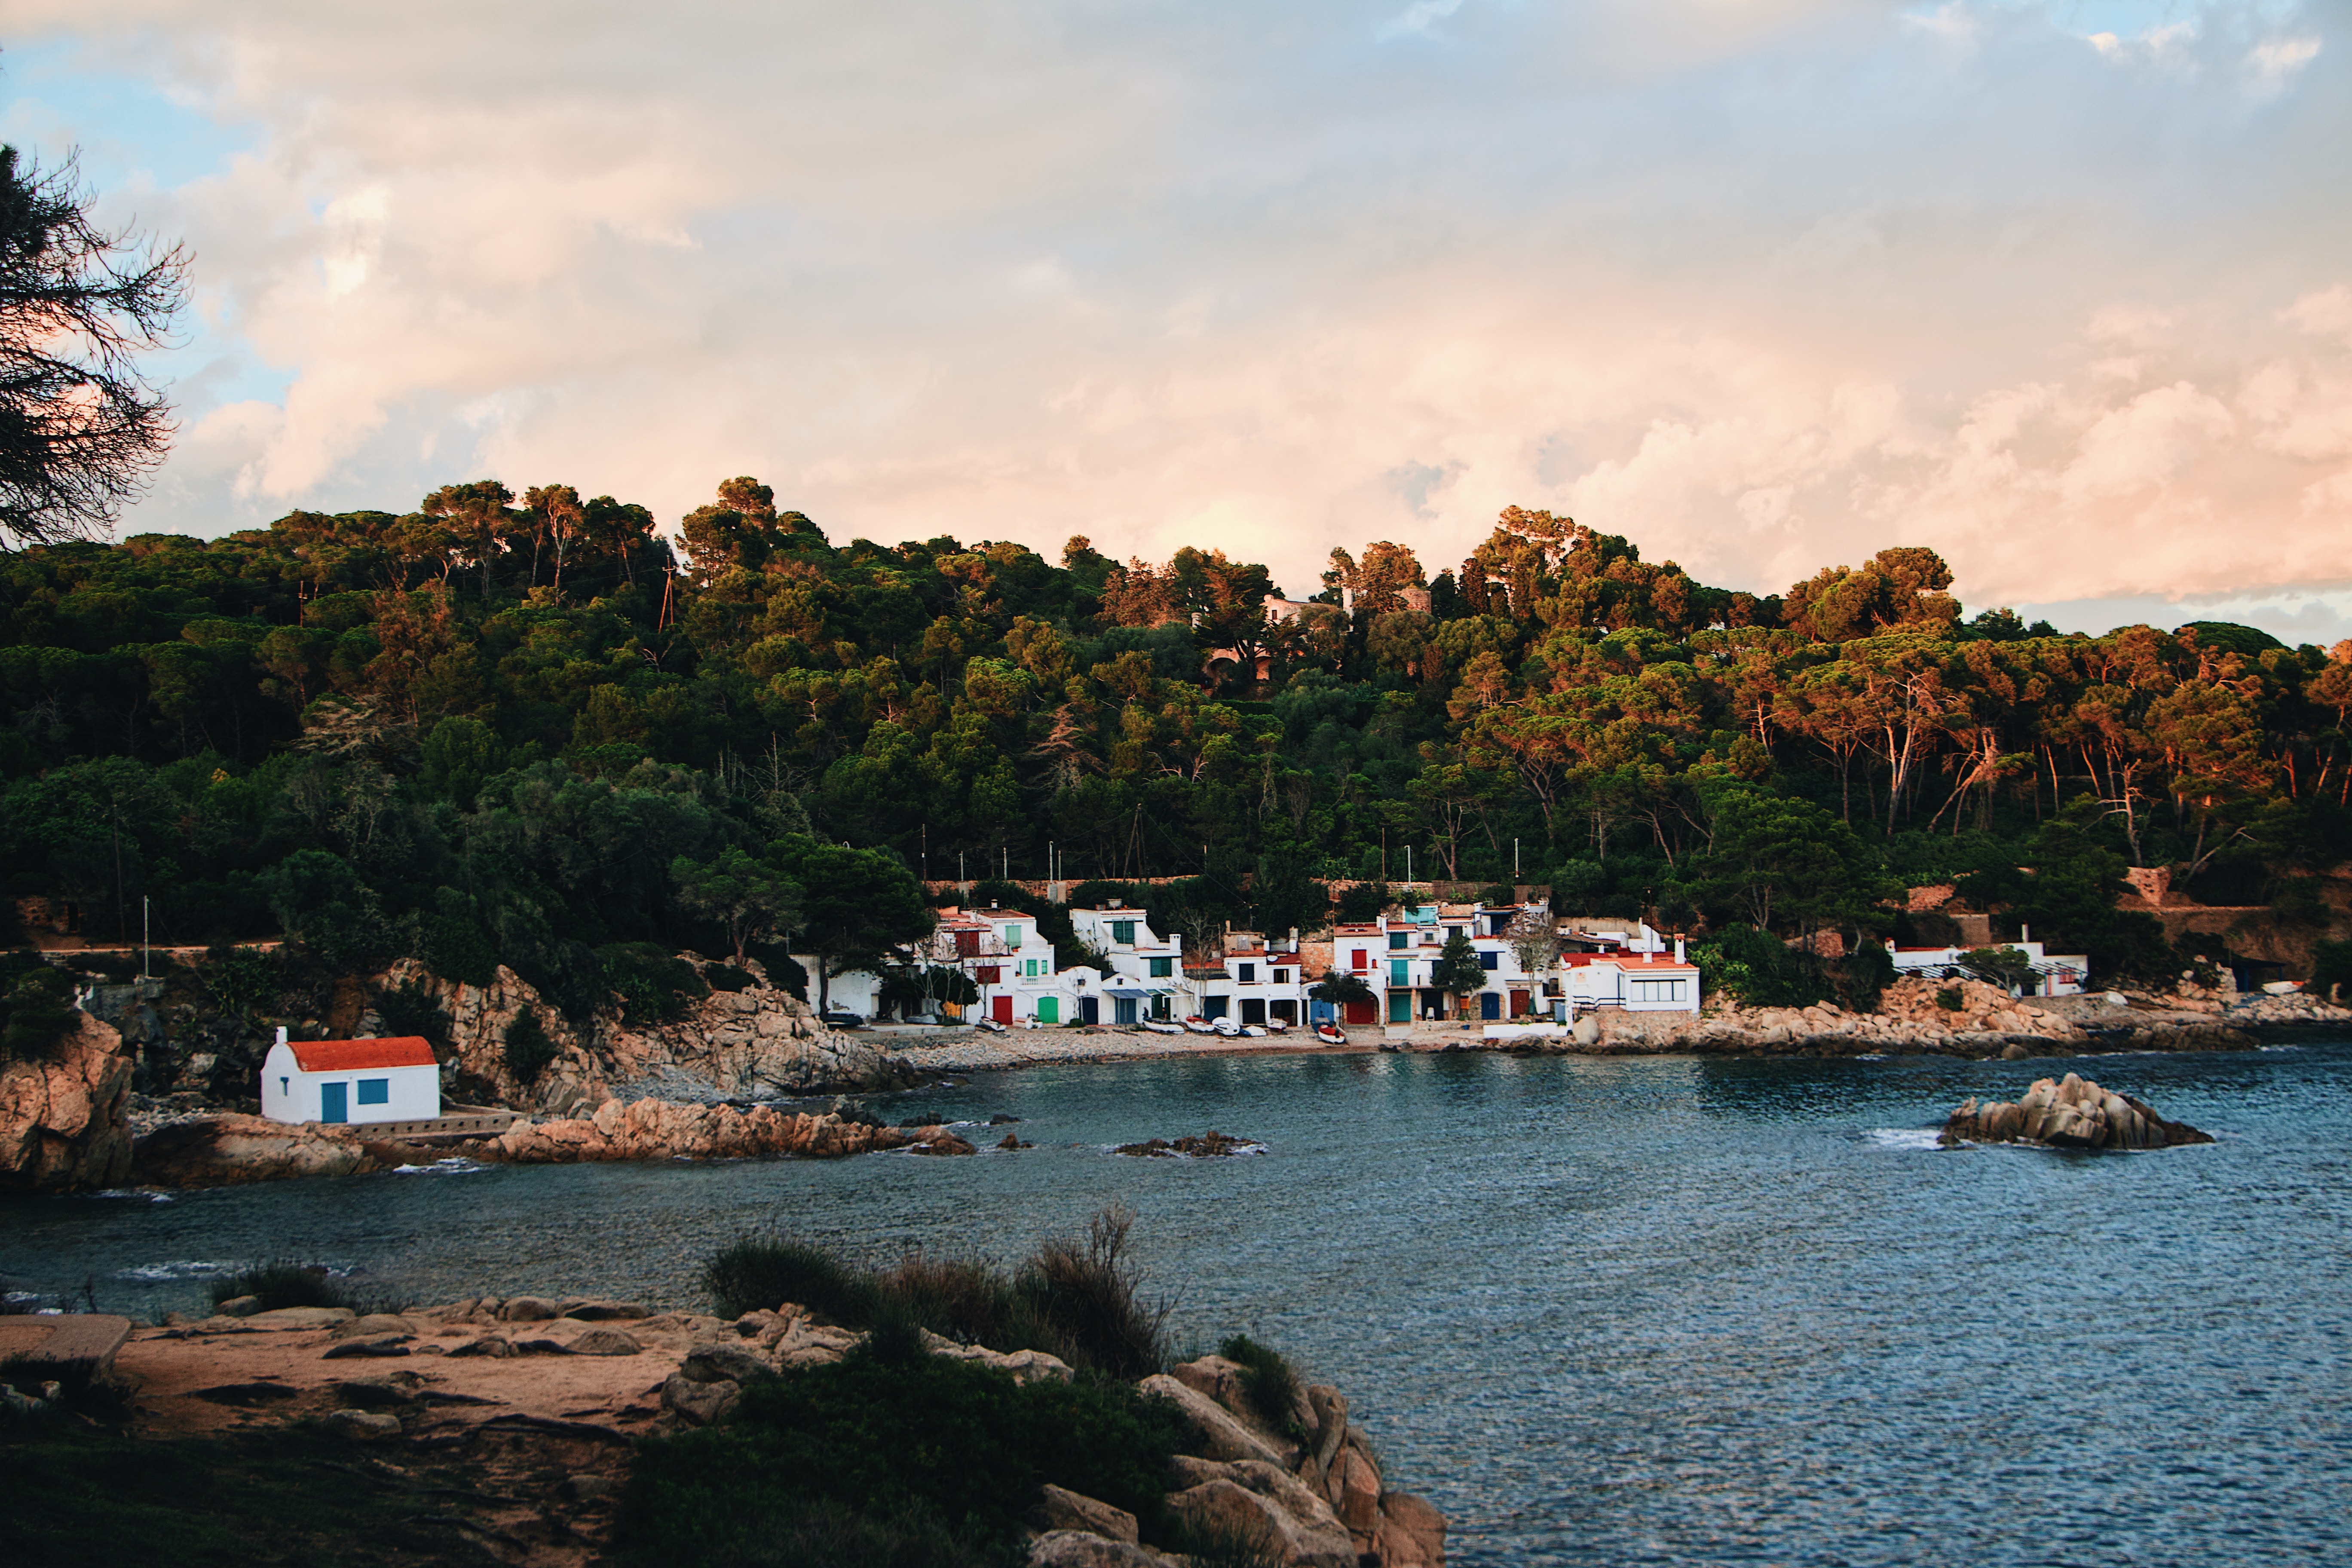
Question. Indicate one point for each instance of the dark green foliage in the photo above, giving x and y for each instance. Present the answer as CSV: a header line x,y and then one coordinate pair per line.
x,y
455,945
1948,998
897,1449
528,1049
1457,971
1269,1380
1362,903
412,1009
241,982
2331,965
1757,967
283,1282
36,1008
1078,1299
726,977
1863,975
277,1496
655,986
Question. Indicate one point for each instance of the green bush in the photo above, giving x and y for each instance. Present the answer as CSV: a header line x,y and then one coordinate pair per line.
x,y
412,1009
1948,999
1271,1383
655,986
240,981
1757,967
726,977
36,1011
1074,1297
283,1282
2331,965
529,1051
918,1458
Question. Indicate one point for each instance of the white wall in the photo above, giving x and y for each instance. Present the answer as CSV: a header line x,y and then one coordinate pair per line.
x,y
290,1094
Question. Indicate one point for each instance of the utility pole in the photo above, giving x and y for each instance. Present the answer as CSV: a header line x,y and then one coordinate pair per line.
x,y
1514,859
146,954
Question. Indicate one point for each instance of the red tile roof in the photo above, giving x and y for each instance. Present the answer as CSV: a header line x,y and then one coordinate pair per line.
x,y
347,1056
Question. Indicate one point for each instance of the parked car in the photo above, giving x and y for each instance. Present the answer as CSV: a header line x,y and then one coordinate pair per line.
x,y
841,1017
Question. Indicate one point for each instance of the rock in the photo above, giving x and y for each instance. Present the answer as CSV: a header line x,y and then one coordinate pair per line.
x,y
1002,1119
604,1311
1064,1509
361,1425
301,1318
1586,1031
1084,1549
1353,1484
1406,1518
527,1310
381,1345
372,1392
1209,1145
2014,1052
2072,1113
1227,1438
699,1403
487,1345
1219,1380
1011,1142
63,1122
944,1143
588,1486
1331,1408
541,1347
605,1342
1231,1511
239,1307
230,1150
371,1324
724,1364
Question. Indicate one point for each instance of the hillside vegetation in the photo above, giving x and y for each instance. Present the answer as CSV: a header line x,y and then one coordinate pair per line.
x,y
522,731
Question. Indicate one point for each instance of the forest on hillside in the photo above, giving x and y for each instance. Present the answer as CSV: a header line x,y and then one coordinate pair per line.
x,y
520,729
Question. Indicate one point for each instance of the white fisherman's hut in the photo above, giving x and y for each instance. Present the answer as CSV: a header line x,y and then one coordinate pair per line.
x,y
351,1080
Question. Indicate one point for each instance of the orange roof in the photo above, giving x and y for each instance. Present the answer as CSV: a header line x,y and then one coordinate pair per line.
x,y
344,1056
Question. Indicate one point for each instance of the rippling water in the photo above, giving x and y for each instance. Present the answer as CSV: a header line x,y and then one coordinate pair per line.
x,y
1603,1312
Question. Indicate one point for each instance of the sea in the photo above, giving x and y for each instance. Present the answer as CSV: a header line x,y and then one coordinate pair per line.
x,y
1598,1310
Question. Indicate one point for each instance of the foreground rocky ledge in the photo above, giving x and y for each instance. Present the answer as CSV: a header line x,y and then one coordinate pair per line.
x,y
222,1150
588,1376
2071,1113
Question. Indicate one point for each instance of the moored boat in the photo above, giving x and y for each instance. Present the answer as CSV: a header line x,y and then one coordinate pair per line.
x,y
1332,1034
1199,1026
1163,1027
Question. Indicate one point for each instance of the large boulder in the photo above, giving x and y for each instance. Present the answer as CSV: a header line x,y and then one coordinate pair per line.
x,y
62,1124
2069,1113
224,1150
1229,1510
1224,1435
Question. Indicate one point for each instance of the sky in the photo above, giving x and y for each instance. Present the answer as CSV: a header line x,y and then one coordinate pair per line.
x,y
2062,291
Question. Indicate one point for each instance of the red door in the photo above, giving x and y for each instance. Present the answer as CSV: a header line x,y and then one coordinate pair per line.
x,y
1001,1009
1363,1012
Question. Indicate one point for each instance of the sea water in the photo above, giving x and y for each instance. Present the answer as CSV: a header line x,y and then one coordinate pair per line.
x,y
1598,1311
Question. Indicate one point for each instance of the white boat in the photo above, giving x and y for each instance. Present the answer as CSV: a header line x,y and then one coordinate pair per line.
x,y
1226,1028
1332,1034
1277,1026
991,1024
1199,1026
1162,1027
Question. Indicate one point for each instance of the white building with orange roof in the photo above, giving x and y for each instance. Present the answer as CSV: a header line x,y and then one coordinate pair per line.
x,y
341,1082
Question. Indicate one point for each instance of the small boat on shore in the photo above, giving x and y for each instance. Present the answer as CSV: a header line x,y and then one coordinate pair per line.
x,y
1277,1026
991,1024
1332,1034
1163,1027
1199,1026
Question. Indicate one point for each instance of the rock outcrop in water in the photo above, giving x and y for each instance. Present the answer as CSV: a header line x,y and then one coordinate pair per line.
x,y
226,1150
62,1113
2069,1113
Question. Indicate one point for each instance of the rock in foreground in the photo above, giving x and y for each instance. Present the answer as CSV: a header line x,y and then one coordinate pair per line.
x,y
2072,1113
61,1114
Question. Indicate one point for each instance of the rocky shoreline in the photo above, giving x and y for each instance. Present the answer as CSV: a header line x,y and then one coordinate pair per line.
x,y
579,1381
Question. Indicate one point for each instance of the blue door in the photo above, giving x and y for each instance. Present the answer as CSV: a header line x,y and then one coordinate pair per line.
x,y
1123,1009
334,1102
1490,1005
1090,1010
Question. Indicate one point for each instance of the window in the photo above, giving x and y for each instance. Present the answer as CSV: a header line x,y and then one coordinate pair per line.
x,y
1161,968
376,1091
1397,939
1249,974
1400,972
1359,958
1013,938
1123,932
1453,931
1490,962
1656,990
1282,977
989,974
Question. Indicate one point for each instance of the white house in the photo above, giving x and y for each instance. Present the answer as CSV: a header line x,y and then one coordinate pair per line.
x,y
1636,982
2058,974
1013,964
1249,980
1397,953
1143,974
351,1080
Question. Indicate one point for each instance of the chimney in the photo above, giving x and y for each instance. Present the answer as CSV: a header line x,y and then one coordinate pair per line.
x,y
1678,948
2025,932
281,1034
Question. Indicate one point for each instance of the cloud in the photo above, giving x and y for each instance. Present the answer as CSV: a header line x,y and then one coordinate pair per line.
x,y
1763,285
